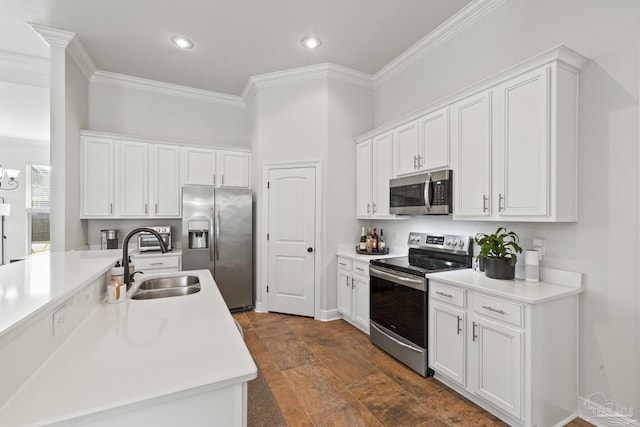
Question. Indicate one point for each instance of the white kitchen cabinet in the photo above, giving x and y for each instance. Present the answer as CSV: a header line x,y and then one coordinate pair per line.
x,y
515,359
133,159
198,166
406,149
158,263
433,135
471,150
353,292
422,144
373,172
98,177
222,168
515,148
233,168
164,181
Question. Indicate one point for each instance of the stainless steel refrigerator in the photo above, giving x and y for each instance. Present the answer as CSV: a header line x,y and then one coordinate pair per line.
x,y
217,234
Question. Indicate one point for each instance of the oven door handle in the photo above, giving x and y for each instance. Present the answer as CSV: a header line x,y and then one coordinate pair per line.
x,y
410,282
395,340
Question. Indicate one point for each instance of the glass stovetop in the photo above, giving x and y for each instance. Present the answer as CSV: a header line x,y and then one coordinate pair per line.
x,y
418,265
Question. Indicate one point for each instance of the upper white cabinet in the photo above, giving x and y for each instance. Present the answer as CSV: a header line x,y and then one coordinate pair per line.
x,y
139,178
222,168
422,144
373,171
98,177
198,166
471,152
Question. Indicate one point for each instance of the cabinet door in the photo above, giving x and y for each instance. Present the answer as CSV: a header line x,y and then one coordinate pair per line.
x,y
471,146
98,177
165,181
364,186
447,341
522,144
232,169
134,175
345,294
381,174
498,365
360,287
406,149
199,166
433,131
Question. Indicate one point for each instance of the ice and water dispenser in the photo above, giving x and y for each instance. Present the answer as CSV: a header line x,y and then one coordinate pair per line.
x,y
198,233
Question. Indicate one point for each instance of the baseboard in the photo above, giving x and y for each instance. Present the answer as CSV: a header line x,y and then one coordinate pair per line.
x,y
260,308
329,315
603,412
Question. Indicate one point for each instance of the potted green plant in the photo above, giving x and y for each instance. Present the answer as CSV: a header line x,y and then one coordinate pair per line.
x,y
499,252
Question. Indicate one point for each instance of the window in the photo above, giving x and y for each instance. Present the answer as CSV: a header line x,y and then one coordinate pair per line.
x,y
38,200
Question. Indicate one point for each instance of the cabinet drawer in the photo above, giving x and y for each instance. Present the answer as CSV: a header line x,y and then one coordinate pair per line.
x,y
344,263
446,293
156,262
505,311
361,268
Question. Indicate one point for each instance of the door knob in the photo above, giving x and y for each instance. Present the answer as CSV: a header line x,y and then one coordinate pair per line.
x,y
309,249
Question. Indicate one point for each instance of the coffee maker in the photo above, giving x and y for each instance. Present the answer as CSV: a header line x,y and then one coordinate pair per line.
x,y
109,239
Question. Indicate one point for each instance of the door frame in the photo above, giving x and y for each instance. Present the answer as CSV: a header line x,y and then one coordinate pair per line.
x,y
319,244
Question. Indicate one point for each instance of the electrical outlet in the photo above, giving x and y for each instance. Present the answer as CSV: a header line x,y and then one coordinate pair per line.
x,y
59,320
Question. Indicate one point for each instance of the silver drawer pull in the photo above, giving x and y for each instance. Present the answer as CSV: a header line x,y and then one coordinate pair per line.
x,y
444,295
157,263
487,307
360,269
342,264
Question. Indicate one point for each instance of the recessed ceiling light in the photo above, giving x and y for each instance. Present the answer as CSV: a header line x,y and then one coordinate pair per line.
x,y
182,42
311,42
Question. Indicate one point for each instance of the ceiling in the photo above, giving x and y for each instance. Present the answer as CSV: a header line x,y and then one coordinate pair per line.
x,y
234,39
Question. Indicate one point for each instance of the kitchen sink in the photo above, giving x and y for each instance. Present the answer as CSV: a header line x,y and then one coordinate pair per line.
x,y
164,287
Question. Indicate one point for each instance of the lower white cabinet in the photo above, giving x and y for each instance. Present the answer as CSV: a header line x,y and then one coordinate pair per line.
x,y
353,292
516,360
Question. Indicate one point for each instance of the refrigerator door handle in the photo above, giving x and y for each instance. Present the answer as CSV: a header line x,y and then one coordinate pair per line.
x,y
217,234
211,242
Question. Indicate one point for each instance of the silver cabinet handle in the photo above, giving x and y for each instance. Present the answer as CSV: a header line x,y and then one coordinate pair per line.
x,y
342,264
157,263
222,183
495,310
368,208
458,325
348,284
359,269
156,208
484,203
474,336
374,208
110,207
500,202
415,161
444,295
419,161
146,208
353,283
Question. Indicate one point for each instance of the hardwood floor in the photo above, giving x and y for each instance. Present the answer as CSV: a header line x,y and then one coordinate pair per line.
x,y
329,374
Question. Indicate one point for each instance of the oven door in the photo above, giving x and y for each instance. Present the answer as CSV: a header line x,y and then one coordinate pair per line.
x,y
398,303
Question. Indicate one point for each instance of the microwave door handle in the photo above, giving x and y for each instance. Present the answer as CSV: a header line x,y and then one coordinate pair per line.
x,y
427,192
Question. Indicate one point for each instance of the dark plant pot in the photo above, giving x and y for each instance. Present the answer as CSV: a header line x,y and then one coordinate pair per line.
x,y
499,268
480,263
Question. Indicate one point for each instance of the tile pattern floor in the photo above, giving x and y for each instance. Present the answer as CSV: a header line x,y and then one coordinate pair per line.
x,y
329,374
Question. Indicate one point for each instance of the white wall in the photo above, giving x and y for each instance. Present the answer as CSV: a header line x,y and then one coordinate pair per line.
x,y
18,154
142,113
603,244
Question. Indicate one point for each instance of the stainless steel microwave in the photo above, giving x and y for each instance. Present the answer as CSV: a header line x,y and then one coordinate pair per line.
x,y
428,193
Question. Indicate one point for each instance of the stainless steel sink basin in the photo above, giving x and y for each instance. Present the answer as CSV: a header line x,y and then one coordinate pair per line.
x,y
164,287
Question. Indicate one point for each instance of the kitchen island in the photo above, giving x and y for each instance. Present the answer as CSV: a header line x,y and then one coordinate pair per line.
x,y
166,361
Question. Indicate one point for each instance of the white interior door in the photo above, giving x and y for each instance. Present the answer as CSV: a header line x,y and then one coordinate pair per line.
x,y
291,230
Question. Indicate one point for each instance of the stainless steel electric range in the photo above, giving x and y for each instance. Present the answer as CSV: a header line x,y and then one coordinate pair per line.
x,y
400,291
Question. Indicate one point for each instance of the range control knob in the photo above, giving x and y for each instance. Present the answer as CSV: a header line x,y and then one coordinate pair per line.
x,y
448,242
461,243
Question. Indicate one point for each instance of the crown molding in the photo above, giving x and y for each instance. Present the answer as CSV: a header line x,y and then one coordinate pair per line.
x,y
154,86
467,16
24,63
68,41
308,73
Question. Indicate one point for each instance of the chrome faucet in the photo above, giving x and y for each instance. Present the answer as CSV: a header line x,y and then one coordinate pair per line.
x,y
125,250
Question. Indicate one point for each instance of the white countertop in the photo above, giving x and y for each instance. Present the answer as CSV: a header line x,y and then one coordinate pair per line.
x,y
349,251
134,354
46,279
518,290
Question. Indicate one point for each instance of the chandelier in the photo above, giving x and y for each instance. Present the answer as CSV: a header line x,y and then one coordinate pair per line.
x,y
12,174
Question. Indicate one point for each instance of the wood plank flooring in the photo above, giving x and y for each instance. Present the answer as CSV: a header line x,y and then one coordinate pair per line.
x,y
329,374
